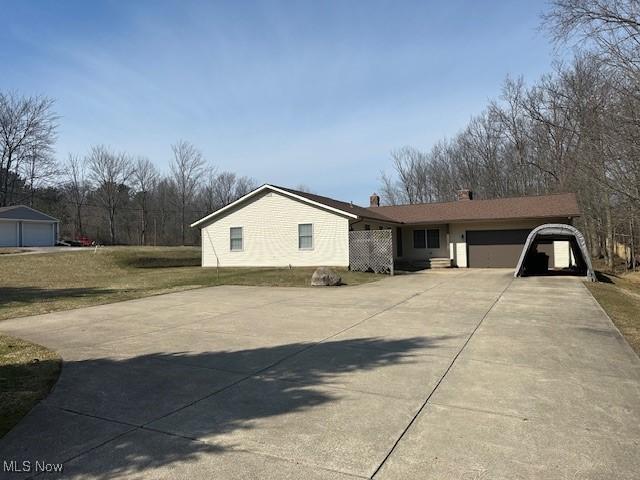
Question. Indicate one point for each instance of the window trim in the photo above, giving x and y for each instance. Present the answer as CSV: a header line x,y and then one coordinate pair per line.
x,y
241,249
426,236
313,243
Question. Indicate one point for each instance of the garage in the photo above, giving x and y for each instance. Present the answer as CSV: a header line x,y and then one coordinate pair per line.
x,y
8,234
37,234
501,248
22,226
495,248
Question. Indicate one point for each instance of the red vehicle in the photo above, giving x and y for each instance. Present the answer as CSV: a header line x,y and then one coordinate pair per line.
x,y
85,241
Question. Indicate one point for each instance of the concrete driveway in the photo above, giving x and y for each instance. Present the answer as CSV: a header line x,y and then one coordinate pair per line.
x,y
460,374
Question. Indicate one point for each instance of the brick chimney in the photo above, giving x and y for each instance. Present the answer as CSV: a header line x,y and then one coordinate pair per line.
x,y
374,200
465,194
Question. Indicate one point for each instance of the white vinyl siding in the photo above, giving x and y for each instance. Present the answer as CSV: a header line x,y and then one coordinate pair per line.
x,y
305,236
270,223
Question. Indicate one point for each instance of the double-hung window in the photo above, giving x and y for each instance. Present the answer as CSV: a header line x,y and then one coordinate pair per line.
x,y
235,239
305,236
426,238
433,238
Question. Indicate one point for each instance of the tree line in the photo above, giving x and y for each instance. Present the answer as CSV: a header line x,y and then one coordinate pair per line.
x,y
107,195
577,129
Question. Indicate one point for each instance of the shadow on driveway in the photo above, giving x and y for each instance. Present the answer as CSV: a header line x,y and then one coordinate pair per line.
x,y
161,391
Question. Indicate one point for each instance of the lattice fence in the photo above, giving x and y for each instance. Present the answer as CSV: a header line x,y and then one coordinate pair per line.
x,y
371,250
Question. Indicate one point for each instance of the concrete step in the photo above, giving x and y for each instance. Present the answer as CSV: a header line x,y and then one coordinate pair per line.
x,y
439,263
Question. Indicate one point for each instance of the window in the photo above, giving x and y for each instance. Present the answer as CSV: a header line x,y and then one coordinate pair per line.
x,y
419,239
433,238
235,242
305,236
367,226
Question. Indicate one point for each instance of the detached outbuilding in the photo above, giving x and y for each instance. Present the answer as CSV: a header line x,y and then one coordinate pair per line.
x,y
22,226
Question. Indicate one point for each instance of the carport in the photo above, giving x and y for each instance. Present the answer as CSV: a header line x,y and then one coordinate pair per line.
x,y
533,261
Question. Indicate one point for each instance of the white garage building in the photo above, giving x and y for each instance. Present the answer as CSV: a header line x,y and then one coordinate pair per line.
x,y
22,226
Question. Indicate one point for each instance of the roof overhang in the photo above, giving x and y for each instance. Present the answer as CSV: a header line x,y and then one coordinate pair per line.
x,y
362,218
486,220
266,186
47,218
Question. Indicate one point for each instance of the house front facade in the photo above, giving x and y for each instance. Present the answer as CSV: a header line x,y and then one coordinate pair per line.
x,y
277,226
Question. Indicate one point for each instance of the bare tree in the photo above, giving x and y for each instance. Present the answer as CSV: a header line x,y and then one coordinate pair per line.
x,y
187,167
109,172
391,190
612,26
303,187
574,130
223,188
244,185
38,170
27,134
145,177
76,188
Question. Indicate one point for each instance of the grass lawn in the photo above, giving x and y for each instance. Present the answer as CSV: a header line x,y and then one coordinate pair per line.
x,y
33,284
619,295
27,373
10,251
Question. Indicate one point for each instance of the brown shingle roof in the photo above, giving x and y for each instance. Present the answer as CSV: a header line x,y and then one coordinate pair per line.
x,y
542,206
369,213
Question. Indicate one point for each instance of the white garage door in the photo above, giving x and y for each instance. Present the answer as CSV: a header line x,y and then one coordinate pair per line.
x,y
8,234
37,234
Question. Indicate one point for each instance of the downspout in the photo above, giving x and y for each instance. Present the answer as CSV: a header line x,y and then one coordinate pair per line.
x,y
215,253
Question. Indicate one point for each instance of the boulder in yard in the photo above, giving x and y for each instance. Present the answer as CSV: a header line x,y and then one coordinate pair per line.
x,y
325,277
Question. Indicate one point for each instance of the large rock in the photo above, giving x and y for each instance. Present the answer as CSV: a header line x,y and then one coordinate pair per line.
x,y
325,277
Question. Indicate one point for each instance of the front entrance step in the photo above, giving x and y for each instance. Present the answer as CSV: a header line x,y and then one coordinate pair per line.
x,y
415,265
439,263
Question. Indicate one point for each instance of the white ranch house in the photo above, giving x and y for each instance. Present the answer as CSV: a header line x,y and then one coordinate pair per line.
x,y
277,226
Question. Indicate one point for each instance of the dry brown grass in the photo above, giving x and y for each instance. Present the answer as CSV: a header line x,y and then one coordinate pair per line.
x,y
619,295
34,284
27,373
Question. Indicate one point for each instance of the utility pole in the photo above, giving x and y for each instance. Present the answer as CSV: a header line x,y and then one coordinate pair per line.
x,y
633,246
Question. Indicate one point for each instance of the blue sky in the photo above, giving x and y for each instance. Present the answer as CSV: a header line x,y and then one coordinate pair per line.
x,y
291,92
